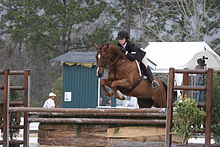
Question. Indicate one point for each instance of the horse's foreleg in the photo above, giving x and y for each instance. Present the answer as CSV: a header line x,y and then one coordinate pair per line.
x,y
124,83
121,83
103,83
116,95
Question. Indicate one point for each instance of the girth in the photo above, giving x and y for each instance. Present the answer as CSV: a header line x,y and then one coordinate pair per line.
x,y
127,91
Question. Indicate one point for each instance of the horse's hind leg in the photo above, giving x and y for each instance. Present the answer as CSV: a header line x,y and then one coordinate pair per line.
x,y
145,103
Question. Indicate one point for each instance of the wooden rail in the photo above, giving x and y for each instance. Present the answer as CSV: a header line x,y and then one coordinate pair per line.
x,y
86,110
103,114
148,115
13,72
99,121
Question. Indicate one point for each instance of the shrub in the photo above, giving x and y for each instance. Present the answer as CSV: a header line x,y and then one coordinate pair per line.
x,y
216,109
187,119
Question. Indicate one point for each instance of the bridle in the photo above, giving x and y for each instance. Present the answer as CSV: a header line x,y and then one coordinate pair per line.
x,y
110,65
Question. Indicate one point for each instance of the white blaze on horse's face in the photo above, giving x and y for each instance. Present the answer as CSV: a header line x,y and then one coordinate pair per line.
x,y
100,70
97,71
98,60
99,56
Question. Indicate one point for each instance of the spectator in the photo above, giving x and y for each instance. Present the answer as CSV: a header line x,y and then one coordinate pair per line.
x,y
49,103
199,95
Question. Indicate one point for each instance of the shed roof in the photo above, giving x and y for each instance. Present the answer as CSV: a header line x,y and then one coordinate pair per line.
x,y
83,57
76,57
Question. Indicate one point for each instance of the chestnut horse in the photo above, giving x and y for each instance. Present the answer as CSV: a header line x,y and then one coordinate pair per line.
x,y
123,75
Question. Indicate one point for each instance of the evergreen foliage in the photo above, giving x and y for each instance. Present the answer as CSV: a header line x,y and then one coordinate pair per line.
x,y
216,110
188,119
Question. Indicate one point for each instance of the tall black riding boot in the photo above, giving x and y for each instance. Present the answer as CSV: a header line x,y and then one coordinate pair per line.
x,y
149,74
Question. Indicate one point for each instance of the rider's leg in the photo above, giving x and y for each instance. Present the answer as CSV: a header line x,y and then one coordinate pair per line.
x,y
149,74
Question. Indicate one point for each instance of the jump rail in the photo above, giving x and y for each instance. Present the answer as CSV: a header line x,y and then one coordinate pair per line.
x,y
86,110
147,116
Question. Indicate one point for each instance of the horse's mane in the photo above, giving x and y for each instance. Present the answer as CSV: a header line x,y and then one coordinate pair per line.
x,y
114,49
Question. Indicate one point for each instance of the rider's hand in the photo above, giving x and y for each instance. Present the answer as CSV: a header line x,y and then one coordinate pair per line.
x,y
123,49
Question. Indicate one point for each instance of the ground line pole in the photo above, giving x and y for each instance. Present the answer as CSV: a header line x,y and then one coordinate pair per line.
x,y
5,108
170,95
209,94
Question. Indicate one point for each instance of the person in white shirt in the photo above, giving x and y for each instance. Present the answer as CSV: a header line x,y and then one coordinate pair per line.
x,y
49,103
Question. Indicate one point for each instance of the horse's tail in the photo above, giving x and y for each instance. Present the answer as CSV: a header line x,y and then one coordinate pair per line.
x,y
165,86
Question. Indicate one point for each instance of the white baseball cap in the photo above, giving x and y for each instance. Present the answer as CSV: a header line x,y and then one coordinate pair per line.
x,y
52,94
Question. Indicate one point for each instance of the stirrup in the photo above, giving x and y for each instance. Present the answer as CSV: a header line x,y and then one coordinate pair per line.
x,y
155,84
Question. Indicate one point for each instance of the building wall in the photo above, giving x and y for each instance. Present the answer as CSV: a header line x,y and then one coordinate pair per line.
x,y
83,85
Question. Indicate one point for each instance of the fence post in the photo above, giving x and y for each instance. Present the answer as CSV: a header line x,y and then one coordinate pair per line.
x,y
185,83
169,115
26,104
5,108
209,94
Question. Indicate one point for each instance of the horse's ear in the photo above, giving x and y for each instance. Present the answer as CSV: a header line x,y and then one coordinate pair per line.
x,y
96,46
105,46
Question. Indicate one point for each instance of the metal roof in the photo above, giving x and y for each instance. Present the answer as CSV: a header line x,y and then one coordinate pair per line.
x,y
76,57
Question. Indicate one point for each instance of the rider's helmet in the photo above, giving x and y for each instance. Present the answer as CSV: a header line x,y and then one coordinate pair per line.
x,y
122,35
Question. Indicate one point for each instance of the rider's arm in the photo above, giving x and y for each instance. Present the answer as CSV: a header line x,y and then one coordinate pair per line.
x,y
132,54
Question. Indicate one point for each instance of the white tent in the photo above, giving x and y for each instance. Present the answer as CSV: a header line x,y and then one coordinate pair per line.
x,y
213,60
180,55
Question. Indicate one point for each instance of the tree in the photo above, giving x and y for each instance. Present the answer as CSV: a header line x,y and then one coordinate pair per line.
x,y
184,20
38,31
48,25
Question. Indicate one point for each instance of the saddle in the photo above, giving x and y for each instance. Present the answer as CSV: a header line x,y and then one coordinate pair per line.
x,y
141,69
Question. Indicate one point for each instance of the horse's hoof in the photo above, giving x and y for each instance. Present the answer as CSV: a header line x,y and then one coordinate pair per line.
x,y
122,98
110,94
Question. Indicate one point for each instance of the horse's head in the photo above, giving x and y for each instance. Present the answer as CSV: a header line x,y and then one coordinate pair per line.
x,y
102,60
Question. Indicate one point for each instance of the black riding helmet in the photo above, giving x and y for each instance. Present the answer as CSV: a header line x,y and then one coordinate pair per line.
x,y
122,35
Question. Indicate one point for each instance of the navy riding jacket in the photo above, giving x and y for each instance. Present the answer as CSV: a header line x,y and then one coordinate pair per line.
x,y
134,52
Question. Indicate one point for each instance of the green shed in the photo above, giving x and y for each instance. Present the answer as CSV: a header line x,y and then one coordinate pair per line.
x,y
81,87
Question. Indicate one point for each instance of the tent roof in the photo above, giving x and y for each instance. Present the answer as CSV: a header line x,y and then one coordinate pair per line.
x,y
213,60
177,54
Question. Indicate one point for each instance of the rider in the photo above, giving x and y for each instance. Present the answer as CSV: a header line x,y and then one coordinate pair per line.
x,y
133,52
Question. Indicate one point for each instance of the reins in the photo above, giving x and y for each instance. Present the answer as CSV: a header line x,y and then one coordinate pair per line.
x,y
110,65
